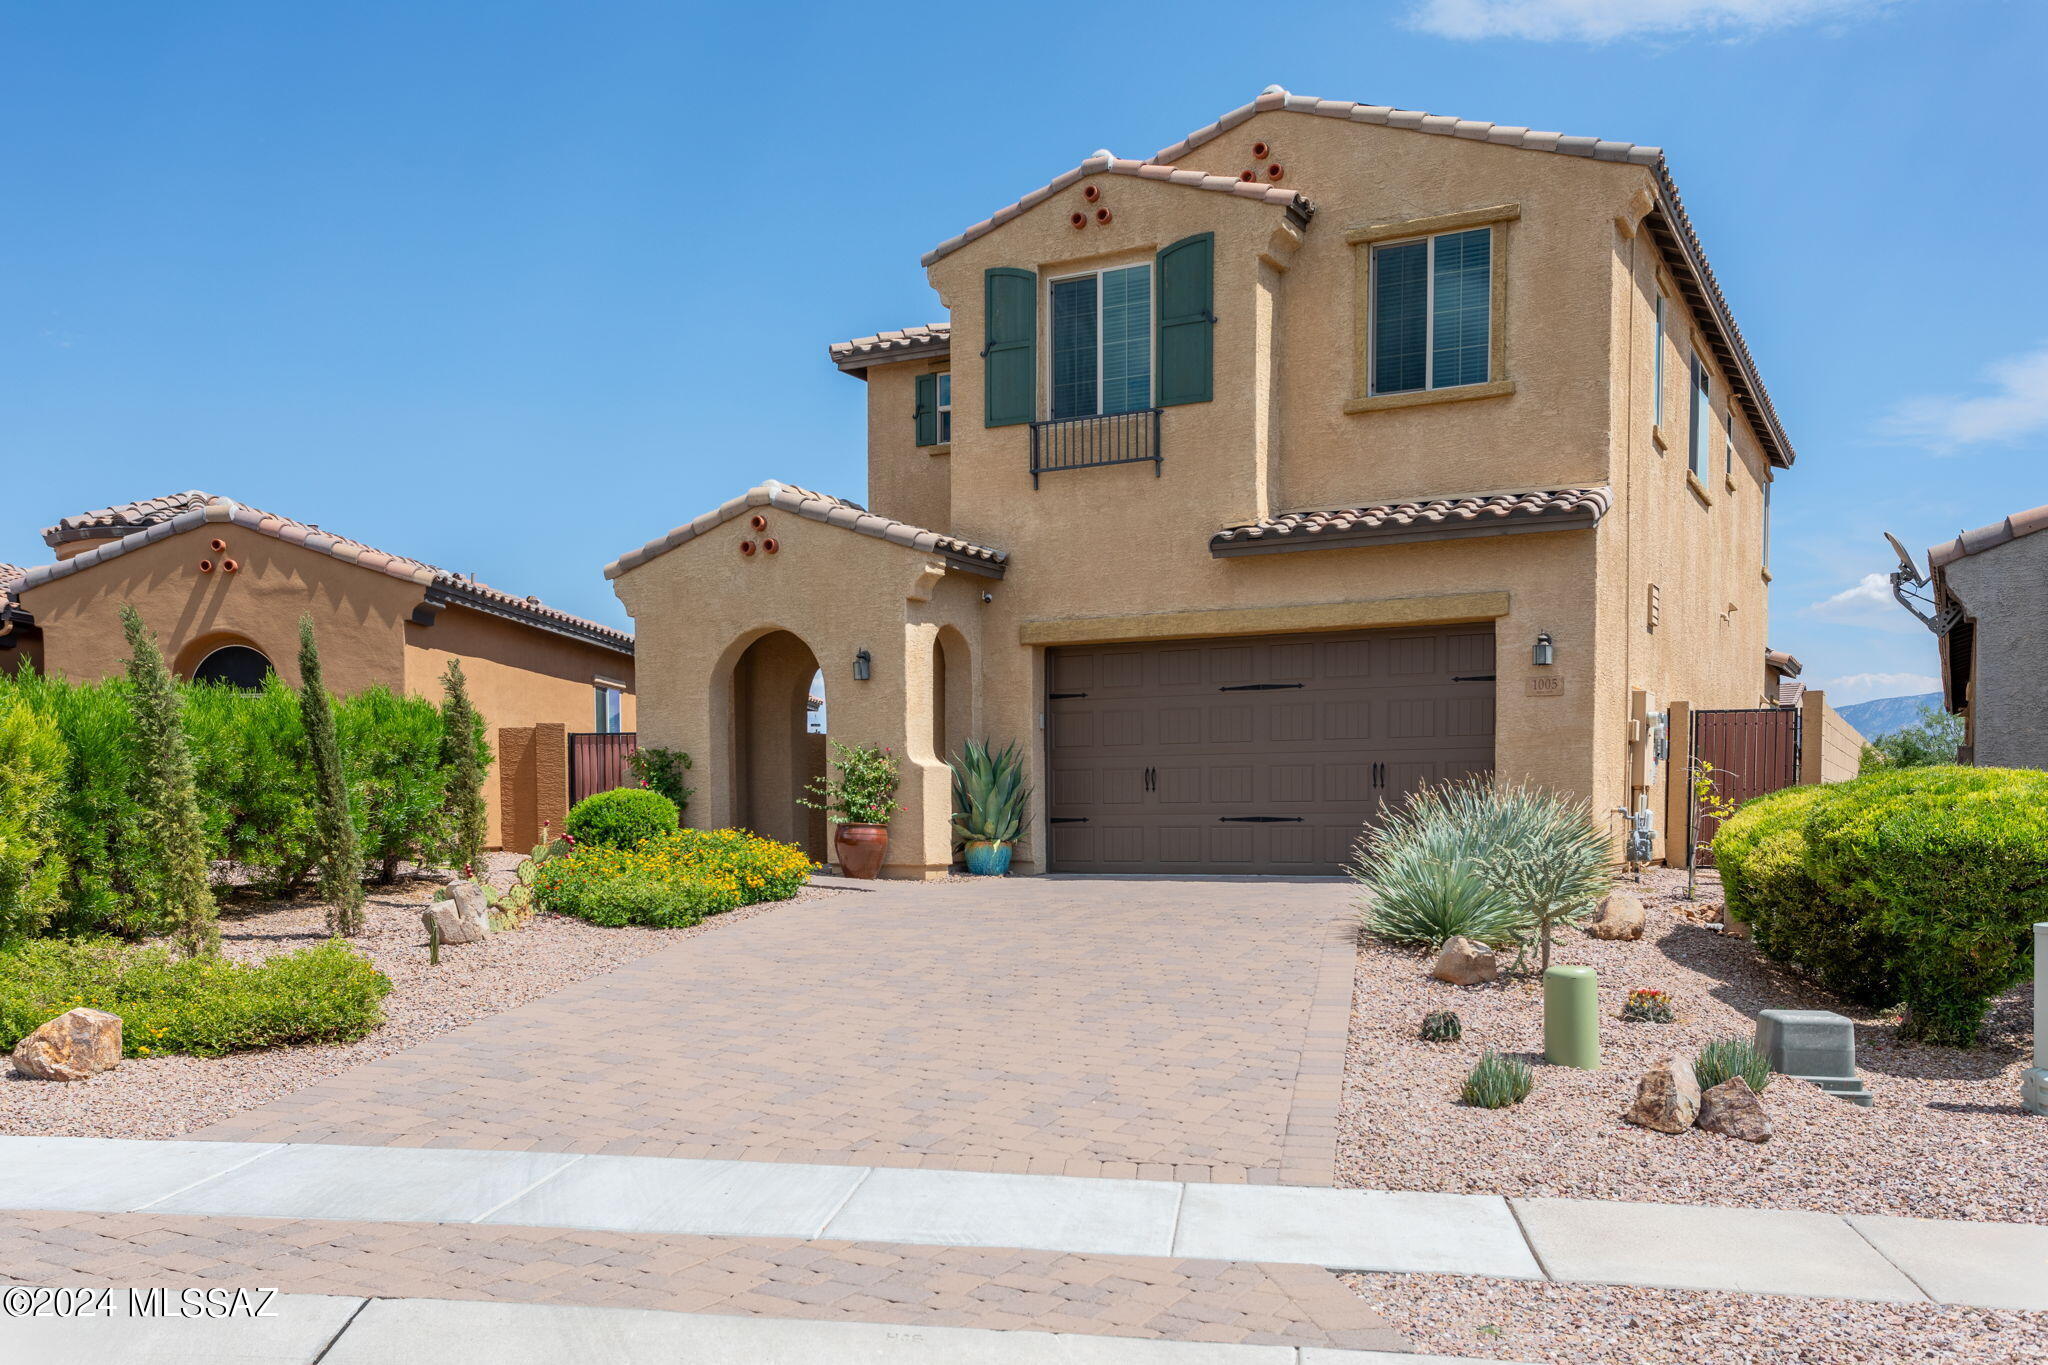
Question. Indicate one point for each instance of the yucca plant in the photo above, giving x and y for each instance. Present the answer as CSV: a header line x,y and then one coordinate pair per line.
x,y
1441,1026
1727,1057
991,800
1496,1082
1421,869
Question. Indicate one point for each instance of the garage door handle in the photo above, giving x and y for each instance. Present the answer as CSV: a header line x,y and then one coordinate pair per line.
x,y
1474,677
1064,696
1068,820
1260,687
1259,819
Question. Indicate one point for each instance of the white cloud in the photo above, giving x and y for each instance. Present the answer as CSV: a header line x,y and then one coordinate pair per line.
x,y
2017,407
1869,603
1597,21
1853,687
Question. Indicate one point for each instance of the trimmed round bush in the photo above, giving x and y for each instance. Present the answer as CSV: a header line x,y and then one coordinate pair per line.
x,y
1917,886
622,818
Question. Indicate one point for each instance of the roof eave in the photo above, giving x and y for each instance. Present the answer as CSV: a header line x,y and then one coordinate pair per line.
x,y
1274,543
858,364
461,594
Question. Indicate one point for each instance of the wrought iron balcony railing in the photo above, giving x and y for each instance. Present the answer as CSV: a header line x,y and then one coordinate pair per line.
x,y
1084,442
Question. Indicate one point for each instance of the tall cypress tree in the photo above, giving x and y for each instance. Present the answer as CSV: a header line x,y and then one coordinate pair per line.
x,y
341,862
168,825
464,757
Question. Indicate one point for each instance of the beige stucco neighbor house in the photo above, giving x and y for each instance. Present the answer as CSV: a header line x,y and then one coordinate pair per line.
x,y
1332,450
223,586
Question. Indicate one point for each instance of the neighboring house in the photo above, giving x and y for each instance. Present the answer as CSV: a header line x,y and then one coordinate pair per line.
x,y
223,586
1781,678
1333,450
20,641
1991,584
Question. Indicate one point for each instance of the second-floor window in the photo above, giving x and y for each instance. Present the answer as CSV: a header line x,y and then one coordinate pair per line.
x,y
609,709
1101,329
1699,420
1432,312
934,414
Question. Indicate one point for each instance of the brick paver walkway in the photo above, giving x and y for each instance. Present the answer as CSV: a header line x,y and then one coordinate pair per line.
x,y
1188,1030
853,1281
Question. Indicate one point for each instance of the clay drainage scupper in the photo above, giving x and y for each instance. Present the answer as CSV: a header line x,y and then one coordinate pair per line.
x,y
1275,171
217,545
206,566
770,546
1102,215
1078,219
758,522
1091,193
746,547
230,565
1260,151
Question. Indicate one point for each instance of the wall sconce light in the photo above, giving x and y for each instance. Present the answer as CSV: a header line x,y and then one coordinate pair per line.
x,y
863,666
1545,653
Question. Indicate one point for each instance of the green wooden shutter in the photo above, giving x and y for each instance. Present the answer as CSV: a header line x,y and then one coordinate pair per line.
x,y
1009,365
1186,299
927,409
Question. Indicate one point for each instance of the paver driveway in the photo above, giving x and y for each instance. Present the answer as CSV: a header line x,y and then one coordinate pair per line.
x,y
1179,1029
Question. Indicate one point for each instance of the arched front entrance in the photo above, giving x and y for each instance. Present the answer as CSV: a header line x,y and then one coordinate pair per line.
x,y
236,665
775,755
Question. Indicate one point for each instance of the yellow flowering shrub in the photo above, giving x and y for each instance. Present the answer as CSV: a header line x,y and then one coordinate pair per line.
x,y
672,880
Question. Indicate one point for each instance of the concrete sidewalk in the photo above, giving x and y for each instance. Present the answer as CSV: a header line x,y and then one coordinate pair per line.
x,y
1989,1265
306,1328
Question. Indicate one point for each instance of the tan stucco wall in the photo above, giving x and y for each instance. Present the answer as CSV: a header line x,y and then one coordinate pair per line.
x,y
914,482
1124,551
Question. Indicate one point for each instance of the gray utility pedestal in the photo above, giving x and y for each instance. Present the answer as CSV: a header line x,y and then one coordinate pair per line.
x,y
1813,1045
2034,1081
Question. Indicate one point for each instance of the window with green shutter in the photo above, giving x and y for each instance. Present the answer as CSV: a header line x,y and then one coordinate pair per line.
x,y
1186,318
1101,338
1010,346
927,411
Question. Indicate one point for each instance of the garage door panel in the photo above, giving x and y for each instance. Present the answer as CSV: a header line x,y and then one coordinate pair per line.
x,y
1278,773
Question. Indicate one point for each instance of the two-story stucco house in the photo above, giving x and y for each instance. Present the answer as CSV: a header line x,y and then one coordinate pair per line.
x,y
1330,451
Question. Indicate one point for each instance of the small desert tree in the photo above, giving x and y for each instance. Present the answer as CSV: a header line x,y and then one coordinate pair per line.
x,y
465,755
341,863
1709,802
1555,865
168,823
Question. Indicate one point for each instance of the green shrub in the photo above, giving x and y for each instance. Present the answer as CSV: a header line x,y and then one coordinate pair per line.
x,y
205,1006
862,791
1441,1026
1496,1082
392,746
465,758
175,877
254,784
662,770
1917,886
1931,739
31,785
674,880
622,818
1726,1057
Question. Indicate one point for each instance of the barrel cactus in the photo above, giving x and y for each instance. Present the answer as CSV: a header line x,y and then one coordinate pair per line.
x,y
1441,1026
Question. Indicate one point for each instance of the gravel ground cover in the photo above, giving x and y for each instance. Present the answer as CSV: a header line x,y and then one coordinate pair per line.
x,y
1946,1137
160,1097
1590,1324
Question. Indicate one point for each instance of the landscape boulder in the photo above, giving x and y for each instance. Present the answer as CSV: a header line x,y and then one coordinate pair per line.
x,y
463,918
1667,1098
1465,963
1620,917
1733,1110
74,1046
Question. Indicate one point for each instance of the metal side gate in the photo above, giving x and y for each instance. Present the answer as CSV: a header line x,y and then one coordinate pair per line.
x,y
597,763
1750,753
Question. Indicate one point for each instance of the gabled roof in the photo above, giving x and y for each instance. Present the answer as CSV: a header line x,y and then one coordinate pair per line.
x,y
10,579
979,559
911,343
1986,537
136,524
1293,201
1393,523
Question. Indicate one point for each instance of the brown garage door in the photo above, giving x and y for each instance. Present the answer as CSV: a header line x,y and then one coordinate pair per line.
x,y
1256,754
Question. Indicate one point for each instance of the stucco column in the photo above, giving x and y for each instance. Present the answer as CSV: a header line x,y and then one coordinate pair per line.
x,y
2034,1082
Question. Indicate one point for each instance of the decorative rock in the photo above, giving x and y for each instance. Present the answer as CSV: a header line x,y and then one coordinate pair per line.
x,y
74,1046
1667,1098
471,903
1733,1110
455,926
1620,916
1465,963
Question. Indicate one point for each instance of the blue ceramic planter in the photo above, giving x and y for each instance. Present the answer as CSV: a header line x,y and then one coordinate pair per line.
x,y
988,860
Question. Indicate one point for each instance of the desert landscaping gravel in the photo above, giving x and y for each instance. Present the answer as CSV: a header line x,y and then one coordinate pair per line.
x,y
1591,1324
161,1097
1945,1138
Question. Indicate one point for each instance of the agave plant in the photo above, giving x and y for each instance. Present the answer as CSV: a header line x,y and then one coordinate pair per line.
x,y
991,800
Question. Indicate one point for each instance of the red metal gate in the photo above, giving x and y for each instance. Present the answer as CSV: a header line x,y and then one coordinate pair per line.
x,y
597,763
1749,754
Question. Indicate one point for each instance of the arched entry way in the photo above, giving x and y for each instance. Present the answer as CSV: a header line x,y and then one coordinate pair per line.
x,y
775,754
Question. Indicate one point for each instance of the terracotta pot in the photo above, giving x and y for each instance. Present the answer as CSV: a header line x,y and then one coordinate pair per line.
x,y
861,849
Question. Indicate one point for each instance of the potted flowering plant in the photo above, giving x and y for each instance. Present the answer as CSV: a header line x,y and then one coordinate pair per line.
x,y
860,796
991,804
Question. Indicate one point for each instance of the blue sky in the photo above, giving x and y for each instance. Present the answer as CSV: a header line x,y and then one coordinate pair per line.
x,y
515,287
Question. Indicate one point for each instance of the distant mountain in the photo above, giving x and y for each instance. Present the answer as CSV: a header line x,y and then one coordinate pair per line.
x,y
1876,719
